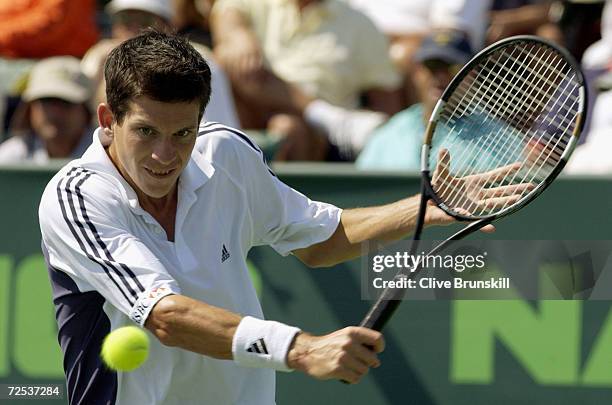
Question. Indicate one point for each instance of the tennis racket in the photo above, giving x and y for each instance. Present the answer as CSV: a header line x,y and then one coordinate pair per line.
x,y
501,132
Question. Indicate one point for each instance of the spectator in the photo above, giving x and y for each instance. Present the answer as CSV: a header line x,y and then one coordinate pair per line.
x,y
397,144
42,28
129,17
599,54
517,17
596,61
579,23
55,112
406,23
191,20
593,157
298,68
573,24
400,19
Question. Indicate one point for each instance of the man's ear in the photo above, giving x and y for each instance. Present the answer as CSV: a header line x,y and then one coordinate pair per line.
x,y
106,120
105,116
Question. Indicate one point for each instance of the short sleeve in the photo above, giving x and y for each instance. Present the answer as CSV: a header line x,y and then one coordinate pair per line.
x,y
85,231
283,217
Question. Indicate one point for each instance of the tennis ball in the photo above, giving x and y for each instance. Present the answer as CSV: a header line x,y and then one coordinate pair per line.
x,y
254,273
125,349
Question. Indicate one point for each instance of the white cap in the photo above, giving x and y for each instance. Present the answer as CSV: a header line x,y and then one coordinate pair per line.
x,y
160,8
58,77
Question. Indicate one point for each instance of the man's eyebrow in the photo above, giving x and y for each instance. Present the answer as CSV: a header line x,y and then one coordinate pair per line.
x,y
143,123
188,128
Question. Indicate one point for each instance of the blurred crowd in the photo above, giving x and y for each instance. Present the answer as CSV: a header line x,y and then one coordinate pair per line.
x,y
308,80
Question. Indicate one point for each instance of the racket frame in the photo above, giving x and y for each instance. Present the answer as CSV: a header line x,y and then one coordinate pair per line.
x,y
445,97
386,304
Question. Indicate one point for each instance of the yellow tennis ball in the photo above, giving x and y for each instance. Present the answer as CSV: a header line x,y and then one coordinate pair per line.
x,y
125,349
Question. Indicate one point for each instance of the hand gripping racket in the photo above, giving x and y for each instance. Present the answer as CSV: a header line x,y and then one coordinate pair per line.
x,y
501,132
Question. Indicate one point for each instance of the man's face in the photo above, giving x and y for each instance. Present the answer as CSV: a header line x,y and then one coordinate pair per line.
x,y
55,120
432,77
153,144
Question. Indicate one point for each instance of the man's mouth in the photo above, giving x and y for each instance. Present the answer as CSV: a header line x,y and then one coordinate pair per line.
x,y
159,173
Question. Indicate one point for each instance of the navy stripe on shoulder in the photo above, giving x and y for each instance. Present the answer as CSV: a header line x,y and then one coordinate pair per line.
x,y
67,191
96,235
234,131
241,135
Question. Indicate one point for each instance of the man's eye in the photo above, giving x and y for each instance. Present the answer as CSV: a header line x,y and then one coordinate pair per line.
x,y
185,133
145,131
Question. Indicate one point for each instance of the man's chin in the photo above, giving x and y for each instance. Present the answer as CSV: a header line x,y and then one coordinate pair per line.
x,y
156,192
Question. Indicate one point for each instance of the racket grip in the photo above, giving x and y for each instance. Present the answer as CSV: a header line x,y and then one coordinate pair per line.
x,y
377,317
367,347
379,314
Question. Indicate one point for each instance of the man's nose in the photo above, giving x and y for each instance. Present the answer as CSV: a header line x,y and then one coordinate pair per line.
x,y
164,151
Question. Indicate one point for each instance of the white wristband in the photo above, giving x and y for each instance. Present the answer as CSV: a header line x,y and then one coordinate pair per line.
x,y
259,343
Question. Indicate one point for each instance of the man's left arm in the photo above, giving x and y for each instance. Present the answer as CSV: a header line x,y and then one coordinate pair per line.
x,y
385,223
394,221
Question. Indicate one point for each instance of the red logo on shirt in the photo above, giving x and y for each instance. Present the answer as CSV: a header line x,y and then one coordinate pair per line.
x,y
156,292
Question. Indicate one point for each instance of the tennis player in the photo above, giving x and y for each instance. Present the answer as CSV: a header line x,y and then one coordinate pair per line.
x,y
153,225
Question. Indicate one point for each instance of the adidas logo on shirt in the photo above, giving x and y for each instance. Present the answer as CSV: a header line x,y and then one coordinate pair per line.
x,y
259,346
224,254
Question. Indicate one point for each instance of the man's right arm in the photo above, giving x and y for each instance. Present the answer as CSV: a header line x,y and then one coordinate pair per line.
x,y
180,321
87,236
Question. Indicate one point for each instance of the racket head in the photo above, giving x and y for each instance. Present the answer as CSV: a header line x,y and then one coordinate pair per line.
x,y
505,126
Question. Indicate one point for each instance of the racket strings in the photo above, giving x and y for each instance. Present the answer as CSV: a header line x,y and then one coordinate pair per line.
x,y
539,162
499,142
540,159
485,142
505,128
528,117
461,108
506,103
497,113
549,156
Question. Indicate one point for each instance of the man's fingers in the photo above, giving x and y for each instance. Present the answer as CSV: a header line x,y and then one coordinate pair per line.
x,y
442,172
343,354
352,363
350,376
502,191
497,202
368,337
488,228
496,175
366,355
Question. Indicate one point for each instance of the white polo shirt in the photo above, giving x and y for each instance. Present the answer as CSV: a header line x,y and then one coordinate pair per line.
x,y
110,262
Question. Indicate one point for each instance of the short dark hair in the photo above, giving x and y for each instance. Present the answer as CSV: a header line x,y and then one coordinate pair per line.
x,y
161,66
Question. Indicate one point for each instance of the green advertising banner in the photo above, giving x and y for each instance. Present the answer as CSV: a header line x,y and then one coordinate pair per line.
x,y
437,353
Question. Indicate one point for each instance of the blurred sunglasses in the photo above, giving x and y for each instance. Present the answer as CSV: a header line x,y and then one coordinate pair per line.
x,y
436,65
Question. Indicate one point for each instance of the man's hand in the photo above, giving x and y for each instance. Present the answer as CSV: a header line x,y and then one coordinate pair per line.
x,y
346,354
477,194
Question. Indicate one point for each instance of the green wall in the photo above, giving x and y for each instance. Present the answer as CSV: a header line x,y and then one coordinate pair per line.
x,y
463,352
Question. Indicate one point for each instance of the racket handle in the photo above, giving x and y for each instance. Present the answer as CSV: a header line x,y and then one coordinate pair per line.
x,y
379,314
377,317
